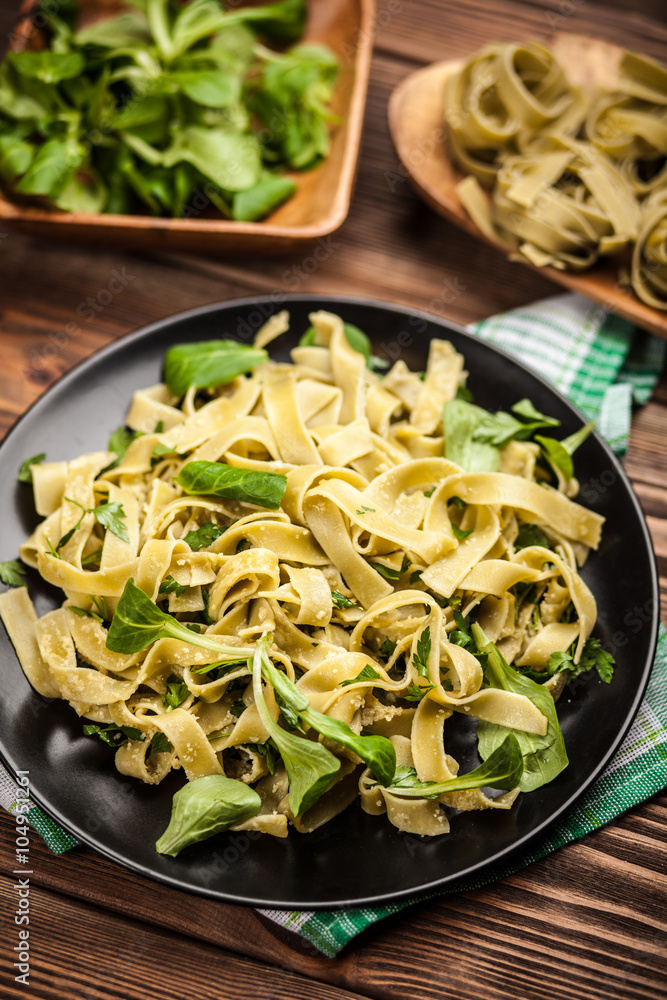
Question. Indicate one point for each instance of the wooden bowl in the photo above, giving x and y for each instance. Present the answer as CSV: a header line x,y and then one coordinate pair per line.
x,y
417,125
321,202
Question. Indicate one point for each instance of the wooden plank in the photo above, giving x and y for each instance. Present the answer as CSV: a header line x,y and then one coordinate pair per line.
x,y
85,875
72,955
607,893
429,30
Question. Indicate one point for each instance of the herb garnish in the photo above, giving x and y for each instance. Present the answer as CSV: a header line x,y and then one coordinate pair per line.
x,y
311,767
266,750
544,757
115,736
138,622
341,601
204,535
474,437
12,573
120,440
171,586
107,514
502,769
160,744
388,647
357,340
593,657
204,807
559,453
25,470
388,572
177,692
530,534
367,674
420,662
188,99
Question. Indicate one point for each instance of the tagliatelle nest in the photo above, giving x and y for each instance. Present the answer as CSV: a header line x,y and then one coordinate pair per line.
x,y
568,171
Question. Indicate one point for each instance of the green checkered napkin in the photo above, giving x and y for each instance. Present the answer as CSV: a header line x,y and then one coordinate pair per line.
x,y
603,365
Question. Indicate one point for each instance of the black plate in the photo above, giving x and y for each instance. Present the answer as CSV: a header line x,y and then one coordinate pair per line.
x,y
356,859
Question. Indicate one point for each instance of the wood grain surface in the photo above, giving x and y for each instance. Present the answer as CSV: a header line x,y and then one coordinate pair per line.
x,y
587,923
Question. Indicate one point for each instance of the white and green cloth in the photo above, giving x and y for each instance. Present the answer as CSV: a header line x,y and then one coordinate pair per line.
x,y
603,365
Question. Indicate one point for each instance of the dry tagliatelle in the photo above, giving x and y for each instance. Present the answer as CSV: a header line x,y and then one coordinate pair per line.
x,y
573,175
285,579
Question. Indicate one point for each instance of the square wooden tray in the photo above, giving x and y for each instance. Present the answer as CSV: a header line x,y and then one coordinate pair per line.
x,y
321,202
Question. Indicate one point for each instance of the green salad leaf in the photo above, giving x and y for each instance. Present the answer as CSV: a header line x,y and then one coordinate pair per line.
x,y
204,807
357,340
503,768
377,752
266,489
167,108
310,767
137,622
460,420
208,364
544,757
559,453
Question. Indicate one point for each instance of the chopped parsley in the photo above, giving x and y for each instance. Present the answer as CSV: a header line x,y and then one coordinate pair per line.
x,y
367,674
341,601
160,744
204,536
12,573
388,572
170,586
177,692
107,514
114,736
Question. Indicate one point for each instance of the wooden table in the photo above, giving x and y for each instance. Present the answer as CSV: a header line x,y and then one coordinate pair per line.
x,y
587,922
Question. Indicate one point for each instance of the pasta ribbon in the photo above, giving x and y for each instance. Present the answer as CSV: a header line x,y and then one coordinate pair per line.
x,y
360,579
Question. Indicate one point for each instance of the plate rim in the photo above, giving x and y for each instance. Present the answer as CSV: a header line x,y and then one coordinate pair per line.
x,y
443,883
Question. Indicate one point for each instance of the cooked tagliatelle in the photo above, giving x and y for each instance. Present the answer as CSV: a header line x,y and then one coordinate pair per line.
x,y
569,170
285,579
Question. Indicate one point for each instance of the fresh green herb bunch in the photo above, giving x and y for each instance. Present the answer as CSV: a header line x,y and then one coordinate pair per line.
x,y
167,109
